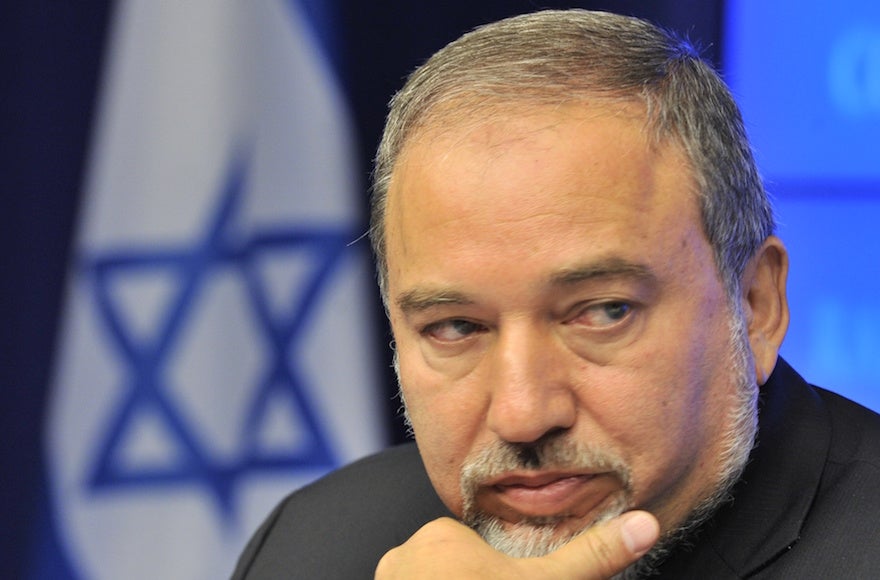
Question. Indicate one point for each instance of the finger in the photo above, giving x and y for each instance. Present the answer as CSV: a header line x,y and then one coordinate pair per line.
x,y
438,546
606,549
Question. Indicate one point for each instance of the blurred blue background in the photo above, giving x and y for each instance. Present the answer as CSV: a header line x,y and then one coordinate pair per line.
x,y
808,81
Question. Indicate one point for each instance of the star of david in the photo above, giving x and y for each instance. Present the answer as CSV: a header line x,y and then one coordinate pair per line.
x,y
146,383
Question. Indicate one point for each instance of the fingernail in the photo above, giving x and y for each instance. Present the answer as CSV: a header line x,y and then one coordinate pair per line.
x,y
639,530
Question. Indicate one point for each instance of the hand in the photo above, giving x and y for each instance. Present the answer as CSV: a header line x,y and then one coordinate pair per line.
x,y
446,548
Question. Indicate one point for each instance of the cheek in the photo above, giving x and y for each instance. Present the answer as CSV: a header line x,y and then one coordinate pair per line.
x,y
446,420
676,401
638,406
655,401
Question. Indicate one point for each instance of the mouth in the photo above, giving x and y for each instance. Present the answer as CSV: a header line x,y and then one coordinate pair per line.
x,y
547,495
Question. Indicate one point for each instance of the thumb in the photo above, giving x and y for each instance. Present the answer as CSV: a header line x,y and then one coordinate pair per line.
x,y
605,549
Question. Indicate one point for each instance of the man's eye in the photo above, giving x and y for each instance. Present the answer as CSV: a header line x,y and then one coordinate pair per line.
x,y
451,330
604,314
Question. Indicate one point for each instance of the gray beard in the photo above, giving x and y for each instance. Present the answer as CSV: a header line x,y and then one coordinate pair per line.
x,y
538,536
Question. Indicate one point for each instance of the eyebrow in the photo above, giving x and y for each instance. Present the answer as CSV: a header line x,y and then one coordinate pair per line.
x,y
422,299
603,269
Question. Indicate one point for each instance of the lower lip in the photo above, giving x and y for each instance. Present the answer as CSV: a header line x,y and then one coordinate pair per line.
x,y
575,495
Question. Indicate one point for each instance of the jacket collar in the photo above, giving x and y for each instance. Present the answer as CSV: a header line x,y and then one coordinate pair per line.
x,y
773,497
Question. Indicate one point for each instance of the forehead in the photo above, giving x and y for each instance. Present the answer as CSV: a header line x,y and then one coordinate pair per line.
x,y
541,179
602,136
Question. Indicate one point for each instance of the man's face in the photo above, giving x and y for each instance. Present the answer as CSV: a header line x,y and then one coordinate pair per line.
x,y
563,337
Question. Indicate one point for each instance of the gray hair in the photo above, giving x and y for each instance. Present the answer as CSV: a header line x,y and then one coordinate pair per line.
x,y
560,56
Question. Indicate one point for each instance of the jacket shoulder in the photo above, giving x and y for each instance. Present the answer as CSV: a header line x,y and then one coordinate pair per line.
x,y
341,525
856,430
839,538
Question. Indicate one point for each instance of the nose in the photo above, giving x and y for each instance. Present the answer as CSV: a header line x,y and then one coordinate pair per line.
x,y
531,394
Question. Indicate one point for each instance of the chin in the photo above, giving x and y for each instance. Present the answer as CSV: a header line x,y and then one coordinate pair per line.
x,y
533,537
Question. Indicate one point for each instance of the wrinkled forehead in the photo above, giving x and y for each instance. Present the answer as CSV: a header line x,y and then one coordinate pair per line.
x,y
572,160
492,125
463,114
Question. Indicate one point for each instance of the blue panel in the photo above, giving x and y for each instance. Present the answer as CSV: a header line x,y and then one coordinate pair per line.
x,y
808,81
834,286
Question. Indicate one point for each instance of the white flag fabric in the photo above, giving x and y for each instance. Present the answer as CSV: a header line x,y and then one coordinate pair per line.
x,y
214,352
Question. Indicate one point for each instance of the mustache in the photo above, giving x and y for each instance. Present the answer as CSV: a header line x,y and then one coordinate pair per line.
x,y
551,452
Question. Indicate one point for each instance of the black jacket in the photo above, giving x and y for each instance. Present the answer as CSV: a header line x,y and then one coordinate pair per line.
x,y
807,506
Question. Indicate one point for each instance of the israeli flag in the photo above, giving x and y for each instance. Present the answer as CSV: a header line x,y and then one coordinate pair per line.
x,y
214,353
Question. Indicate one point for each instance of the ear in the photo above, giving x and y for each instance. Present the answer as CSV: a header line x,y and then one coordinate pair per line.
x,y
765,304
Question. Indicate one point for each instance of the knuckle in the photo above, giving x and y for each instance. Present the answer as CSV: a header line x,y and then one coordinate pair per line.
x,y
605,556
386,563
443,528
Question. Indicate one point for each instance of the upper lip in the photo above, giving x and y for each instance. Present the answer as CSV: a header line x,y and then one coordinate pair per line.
x,y
533,478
